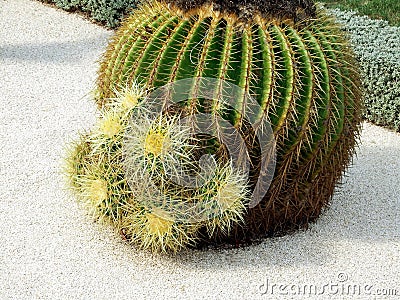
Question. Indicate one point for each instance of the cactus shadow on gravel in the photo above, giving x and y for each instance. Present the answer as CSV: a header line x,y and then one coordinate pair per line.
x,y
52,52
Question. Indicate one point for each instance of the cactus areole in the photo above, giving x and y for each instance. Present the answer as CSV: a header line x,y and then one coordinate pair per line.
x,y
287,55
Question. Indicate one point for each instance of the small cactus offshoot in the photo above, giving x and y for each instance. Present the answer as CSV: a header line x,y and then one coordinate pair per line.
x,y
140,200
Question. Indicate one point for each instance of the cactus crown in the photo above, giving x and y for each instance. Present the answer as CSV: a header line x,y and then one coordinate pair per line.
x,y
295,10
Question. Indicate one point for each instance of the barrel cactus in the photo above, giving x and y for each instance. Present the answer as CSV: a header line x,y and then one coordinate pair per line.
x,y
291,58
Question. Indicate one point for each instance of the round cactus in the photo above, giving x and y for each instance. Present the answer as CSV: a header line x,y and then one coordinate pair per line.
x,y
292,59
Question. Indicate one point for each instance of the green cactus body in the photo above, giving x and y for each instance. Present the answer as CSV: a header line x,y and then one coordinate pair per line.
x,y
302,75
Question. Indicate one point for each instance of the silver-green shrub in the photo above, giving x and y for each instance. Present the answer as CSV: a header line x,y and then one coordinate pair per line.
x,y
377,46
108,12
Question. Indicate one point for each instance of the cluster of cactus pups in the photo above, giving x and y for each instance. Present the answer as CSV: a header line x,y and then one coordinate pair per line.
x,y
292,59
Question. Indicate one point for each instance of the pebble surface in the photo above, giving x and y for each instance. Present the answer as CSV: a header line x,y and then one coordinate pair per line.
x,y
50,248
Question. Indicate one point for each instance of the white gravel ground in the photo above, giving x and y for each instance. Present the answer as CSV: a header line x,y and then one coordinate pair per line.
x,y
51,249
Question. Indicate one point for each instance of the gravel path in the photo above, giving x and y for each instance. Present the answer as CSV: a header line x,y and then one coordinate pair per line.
x,y
50,249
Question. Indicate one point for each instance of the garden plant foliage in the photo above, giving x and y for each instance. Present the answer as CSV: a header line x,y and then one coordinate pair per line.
x,y
108,12
377,47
